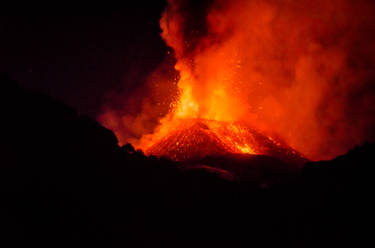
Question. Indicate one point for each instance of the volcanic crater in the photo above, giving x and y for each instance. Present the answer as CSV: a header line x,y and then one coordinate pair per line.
x,y
196,139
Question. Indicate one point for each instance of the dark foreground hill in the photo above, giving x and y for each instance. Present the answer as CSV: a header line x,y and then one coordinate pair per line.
x,y
63,176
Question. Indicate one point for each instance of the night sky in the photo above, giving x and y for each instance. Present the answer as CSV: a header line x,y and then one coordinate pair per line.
x,y
80,59
98,62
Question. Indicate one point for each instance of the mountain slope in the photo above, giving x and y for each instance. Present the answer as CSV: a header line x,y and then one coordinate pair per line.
x,y
195,139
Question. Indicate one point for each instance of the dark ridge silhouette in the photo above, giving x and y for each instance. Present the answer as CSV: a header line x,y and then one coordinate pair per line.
x,y
63,176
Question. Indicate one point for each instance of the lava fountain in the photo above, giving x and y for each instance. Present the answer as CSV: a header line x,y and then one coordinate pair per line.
x,y
196,128
255,73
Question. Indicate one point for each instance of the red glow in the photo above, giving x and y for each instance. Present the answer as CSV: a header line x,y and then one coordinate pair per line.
x,y
282,67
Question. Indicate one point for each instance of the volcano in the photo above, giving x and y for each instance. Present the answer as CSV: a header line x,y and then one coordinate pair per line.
x,y
195,139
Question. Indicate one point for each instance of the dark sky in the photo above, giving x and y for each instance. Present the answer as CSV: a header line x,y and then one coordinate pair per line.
x,y
78,59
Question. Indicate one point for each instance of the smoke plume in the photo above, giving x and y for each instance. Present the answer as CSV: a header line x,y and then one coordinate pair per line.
x,y
303,70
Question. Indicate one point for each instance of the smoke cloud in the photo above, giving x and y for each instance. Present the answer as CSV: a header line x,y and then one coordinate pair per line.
x,y
303,70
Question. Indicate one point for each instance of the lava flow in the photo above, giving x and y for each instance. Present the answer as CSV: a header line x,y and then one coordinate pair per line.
x,y
194,139
191,131
248,73
204,120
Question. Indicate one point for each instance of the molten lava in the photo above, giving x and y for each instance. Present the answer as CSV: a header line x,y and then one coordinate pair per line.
x,y
194,139
247,70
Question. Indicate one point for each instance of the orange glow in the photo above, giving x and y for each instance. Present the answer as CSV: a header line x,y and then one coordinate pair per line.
x,y
186,139
288,69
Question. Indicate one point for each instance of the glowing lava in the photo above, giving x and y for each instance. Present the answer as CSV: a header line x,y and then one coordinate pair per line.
x,y
192,139
303,70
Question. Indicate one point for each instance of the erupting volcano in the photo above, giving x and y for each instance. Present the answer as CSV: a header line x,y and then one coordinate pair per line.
x,y
266,77
194,139
205,119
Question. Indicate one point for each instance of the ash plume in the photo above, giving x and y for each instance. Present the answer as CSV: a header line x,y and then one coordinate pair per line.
x,y
303,70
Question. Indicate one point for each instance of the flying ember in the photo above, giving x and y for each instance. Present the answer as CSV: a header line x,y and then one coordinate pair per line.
x,y
254,77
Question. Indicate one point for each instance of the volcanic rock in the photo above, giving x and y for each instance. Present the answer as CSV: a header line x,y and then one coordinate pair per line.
x,y
195,139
